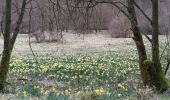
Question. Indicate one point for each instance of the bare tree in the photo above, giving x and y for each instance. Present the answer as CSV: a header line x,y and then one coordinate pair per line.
x,y
9,41
151,71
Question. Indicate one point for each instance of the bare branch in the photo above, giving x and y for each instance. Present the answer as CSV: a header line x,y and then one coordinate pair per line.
x,y
146,16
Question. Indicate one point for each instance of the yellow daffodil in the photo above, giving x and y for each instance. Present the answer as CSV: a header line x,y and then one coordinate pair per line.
x,y
25,93
53,88
121,86
119,95
100,91
46,93
78,93
44,69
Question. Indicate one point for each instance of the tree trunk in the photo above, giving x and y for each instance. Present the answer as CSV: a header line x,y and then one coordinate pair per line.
x,y
138,41
159,80
151,71
9,41
4,65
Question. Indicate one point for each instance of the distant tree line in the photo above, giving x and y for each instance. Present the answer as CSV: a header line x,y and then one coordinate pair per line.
x,y
56,16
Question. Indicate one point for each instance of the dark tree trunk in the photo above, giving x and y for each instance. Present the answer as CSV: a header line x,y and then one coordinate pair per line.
x,y
4,65
151,71
159,80
9,41
138,41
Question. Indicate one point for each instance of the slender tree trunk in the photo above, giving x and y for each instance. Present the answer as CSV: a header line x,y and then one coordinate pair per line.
x,y
159,79
4,65
9,41
138,41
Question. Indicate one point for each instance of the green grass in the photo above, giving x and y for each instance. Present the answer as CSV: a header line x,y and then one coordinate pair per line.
x,y
93,68
76,72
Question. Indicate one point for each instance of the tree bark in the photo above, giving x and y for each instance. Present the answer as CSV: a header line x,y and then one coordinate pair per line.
x,y
159,80
151,71
9,41
138,41
4,65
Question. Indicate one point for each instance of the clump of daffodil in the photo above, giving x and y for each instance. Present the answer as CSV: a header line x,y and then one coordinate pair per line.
x,y
42,90
44,69
121,86
119,95
58,94
25,93
53,87
23,82
100,91
78,93
46,93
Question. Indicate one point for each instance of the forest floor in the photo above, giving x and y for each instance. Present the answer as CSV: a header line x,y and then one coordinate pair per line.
x,y
81,67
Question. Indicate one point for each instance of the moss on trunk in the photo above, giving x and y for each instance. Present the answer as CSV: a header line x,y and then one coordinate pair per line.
x,y
160,80
156,78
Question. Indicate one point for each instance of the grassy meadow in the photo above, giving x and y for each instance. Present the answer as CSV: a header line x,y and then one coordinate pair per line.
x,y
85,67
